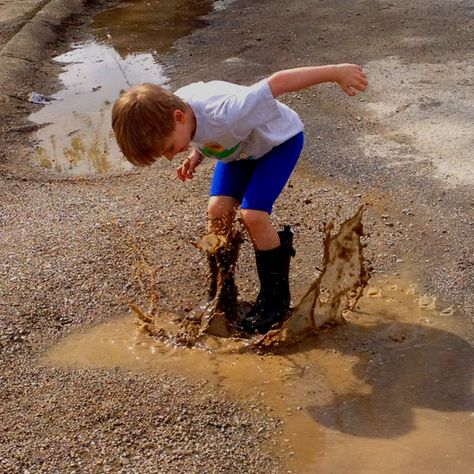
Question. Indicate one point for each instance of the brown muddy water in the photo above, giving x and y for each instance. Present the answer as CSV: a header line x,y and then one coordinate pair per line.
x,y
389,391
76,136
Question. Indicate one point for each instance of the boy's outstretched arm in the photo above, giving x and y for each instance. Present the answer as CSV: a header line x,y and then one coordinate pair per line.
x,y
349,77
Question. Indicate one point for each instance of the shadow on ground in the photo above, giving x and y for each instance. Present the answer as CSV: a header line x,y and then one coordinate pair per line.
x,y
401,367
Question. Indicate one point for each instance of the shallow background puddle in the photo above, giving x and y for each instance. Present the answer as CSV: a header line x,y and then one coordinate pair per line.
x,y
391,390
76,137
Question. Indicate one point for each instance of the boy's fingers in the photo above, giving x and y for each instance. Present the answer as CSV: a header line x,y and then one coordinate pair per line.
x,y
348,91
184,173
180,174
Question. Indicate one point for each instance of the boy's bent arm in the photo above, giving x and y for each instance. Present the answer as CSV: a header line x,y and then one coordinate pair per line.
x,y
188,168
349,77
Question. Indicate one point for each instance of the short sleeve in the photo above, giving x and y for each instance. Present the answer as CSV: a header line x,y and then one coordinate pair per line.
x,y
248,108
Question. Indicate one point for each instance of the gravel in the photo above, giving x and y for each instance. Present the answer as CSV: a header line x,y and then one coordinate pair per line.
x,y
114,421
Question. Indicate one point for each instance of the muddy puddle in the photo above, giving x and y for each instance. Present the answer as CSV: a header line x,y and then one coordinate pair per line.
x,y
76,136
388,391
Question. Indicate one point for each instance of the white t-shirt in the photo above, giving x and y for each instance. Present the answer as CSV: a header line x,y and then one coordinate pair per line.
x,y
236,122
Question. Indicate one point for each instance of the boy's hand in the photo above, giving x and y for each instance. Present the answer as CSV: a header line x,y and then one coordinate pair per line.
x,y
350,78
188,168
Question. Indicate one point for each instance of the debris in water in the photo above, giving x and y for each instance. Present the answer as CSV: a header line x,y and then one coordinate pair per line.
x,y
38,99
374,292
447,312
427,302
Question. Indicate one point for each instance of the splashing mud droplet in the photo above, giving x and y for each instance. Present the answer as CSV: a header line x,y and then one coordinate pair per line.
x,y
211,243
427,302
331,296
447,312
374,292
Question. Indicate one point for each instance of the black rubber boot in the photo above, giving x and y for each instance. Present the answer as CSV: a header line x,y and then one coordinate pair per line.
x,y
273,301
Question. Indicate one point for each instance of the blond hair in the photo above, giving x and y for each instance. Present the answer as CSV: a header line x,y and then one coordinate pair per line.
x,y
142,119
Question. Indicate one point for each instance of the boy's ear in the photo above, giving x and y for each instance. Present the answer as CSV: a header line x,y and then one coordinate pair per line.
x,y
179,116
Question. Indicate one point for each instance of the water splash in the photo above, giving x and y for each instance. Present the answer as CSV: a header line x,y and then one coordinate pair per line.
x,y
335,292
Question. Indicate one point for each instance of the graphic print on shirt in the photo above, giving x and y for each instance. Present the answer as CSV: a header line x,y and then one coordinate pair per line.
x,y
217,151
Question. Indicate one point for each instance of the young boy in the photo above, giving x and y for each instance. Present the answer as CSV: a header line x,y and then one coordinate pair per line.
x,y
256,141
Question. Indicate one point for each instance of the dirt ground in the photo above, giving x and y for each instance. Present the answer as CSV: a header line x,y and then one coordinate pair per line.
x,y
407,146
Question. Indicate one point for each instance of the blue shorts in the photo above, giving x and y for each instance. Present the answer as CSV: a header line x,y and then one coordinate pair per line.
x,y
256,184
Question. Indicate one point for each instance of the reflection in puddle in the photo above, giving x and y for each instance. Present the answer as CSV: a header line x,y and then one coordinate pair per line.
x,y
151,25
392,388
77,138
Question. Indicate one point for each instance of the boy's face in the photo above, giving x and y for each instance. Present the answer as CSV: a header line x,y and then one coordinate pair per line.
x,y
181,136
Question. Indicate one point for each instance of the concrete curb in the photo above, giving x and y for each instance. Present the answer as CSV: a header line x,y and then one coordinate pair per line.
x,y
20,55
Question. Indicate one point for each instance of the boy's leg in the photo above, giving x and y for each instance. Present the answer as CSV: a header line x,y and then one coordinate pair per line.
x,y
271,174
221,212
262,232
268,179
227,188
273,250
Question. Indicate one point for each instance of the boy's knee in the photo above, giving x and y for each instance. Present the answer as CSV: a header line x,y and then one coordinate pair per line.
x,y
253,219
221,206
